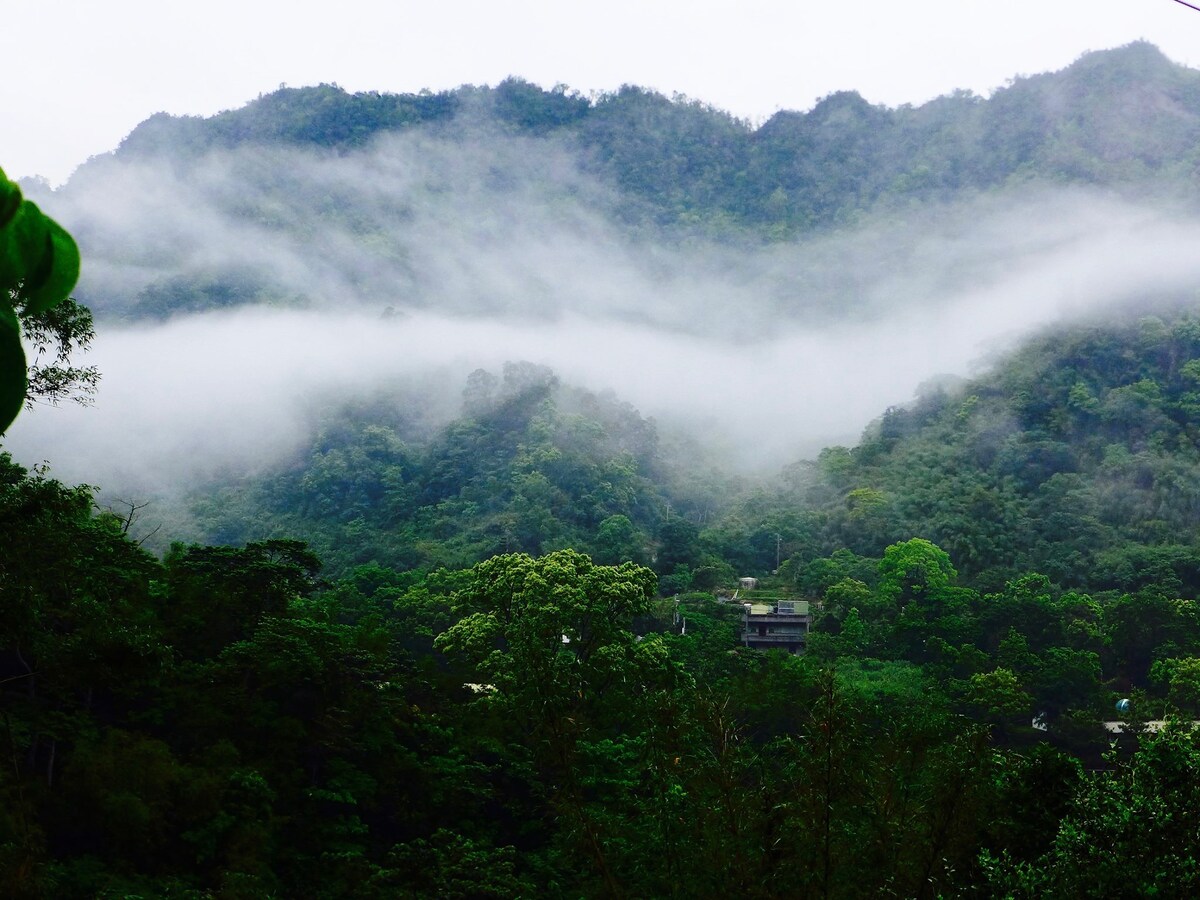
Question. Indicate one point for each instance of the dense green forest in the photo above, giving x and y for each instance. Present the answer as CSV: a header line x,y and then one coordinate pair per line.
x,y
499,653
227,722
425,717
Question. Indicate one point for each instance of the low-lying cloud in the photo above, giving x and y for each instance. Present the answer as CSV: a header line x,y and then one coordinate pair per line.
x,y
506,249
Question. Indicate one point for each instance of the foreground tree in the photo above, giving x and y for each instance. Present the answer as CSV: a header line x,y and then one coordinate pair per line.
x,y
52,336
551,645
1132,831
39,264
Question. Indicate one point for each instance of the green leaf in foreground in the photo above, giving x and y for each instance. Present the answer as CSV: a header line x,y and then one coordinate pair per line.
x,y
39,265
12,366
56,272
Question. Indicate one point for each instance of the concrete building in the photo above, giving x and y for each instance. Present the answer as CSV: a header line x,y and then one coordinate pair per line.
x,y
780,626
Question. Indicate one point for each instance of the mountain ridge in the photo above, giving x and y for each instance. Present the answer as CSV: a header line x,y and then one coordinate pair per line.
x,y
1120,116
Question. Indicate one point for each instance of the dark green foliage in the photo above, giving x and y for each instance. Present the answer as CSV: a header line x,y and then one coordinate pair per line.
x,y
78,645
468,705
223,724
197,293
823,164
325,116
1127,832
217,593
681,159
533,110
1077,458
347,736
531,467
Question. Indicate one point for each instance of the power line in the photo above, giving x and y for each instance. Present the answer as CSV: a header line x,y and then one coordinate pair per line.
x,y
1188,5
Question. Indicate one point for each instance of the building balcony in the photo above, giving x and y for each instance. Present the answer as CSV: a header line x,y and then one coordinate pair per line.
x,y
753,637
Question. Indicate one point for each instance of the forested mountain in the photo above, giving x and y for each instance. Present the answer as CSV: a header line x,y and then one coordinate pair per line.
x,y
371,642
532,466
309,197
226,723
1122,116
1076,457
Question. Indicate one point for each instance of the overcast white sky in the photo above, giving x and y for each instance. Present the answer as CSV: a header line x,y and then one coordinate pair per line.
x,y
80,74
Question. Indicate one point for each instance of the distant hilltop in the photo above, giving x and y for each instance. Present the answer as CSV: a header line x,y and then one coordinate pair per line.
x,y
1114,118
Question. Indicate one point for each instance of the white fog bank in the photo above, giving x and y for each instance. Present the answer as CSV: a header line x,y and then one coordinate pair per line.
x,y
512,252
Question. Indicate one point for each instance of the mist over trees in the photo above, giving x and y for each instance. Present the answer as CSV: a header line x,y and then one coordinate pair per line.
x,y
512,163
433,434
1124,117
416,238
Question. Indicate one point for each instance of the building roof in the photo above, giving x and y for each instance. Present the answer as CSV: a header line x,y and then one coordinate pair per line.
x,y
782,608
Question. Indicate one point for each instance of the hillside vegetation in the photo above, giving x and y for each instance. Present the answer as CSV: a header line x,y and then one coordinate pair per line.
x,y
1117,117
314,197
1076,456
498,651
